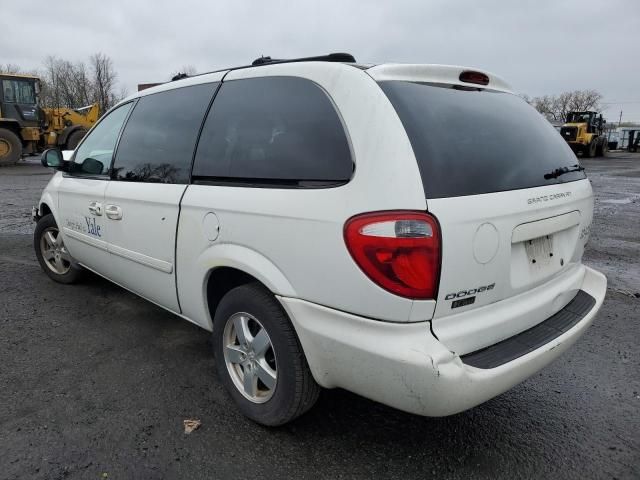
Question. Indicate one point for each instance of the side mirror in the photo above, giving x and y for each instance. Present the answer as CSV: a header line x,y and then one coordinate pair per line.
x,y
52,158
91,166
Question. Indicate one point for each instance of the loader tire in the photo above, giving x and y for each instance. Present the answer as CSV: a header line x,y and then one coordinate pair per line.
x,y
10,148
74,139
602,149
590,150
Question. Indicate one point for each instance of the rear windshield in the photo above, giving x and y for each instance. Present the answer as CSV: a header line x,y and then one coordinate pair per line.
x,y
469,142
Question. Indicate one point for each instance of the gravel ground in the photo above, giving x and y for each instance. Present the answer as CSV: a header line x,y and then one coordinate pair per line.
x,y
95,383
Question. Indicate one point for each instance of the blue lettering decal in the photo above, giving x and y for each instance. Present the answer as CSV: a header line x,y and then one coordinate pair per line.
x,y
92,228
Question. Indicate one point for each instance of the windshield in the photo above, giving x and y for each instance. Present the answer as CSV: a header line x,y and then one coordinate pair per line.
x,y
578,118
19,91
469,142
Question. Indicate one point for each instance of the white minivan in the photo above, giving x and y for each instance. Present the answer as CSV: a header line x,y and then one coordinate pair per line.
x,y
411,233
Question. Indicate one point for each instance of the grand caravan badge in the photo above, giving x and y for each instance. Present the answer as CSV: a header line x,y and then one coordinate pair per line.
x,y
549,198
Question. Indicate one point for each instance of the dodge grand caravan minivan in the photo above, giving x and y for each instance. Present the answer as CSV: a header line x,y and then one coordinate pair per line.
x,y
411,233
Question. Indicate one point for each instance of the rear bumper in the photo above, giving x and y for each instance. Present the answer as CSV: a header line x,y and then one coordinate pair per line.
x,y
406,367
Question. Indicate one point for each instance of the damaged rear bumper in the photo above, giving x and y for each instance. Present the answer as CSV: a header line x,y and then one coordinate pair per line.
x,y
404,366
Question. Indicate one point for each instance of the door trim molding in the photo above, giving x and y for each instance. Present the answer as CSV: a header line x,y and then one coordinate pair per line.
x,y
81,237
142,259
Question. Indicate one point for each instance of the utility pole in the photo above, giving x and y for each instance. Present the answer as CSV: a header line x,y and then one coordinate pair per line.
x,y
620,121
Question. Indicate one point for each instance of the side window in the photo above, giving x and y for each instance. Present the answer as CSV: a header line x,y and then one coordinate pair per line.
x,y
158,141
274,129
94,154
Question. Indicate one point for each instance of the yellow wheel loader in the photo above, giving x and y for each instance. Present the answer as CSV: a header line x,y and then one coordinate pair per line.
x,y
25,128
584,132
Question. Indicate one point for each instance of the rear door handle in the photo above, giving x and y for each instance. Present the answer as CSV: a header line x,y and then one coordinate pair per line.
x,y
95,208
114,212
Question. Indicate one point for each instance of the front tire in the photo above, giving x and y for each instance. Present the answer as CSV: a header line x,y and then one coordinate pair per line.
x,y
52,254
259,358
74,139
10,147
590,150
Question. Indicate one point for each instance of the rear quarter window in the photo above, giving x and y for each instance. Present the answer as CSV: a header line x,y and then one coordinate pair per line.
x,y
469,142
273,130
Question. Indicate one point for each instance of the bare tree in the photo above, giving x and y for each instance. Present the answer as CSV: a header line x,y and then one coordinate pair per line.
x,y
585,100
49,83
10,68
556,107
74,85
104,78
67,84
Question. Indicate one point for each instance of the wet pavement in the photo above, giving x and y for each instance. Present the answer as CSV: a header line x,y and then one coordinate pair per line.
x,y
96,382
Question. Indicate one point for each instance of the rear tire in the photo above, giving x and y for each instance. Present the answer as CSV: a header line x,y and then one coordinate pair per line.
x,y
74,139
604,148
289,389
52,254
10,147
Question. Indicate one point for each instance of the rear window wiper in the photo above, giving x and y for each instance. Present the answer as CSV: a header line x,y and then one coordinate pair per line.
x,y
561,171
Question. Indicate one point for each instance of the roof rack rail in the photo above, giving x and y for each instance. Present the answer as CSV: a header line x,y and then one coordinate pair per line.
x,y
179,76
332,57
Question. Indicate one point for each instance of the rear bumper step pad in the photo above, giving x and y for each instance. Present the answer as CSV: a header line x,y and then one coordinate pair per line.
x,y
534,338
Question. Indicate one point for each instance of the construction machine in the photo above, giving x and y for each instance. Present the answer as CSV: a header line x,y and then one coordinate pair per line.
x,y
584,132
25,128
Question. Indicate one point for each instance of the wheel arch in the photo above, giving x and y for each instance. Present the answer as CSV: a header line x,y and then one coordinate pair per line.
x,y
47,205
222,280
225,267
44,209
11,125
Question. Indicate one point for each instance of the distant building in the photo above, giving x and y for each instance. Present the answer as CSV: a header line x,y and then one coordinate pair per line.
x,y
144,86
623,135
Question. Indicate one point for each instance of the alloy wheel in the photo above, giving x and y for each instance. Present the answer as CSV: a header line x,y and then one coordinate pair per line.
x,y
249,357
54,252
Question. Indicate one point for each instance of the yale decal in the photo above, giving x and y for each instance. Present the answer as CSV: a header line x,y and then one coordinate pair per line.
x,y
88,226
92,228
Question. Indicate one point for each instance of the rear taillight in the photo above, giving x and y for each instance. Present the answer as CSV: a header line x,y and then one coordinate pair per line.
x,y
398,250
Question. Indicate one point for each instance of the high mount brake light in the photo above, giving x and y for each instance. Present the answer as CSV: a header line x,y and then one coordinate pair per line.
x,y
398,250
479,78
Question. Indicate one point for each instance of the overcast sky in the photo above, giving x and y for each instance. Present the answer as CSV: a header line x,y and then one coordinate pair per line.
x,y
540,47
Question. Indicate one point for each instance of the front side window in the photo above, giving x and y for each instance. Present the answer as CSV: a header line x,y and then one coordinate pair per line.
x,y
94,154
158,141
19,91
273,130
